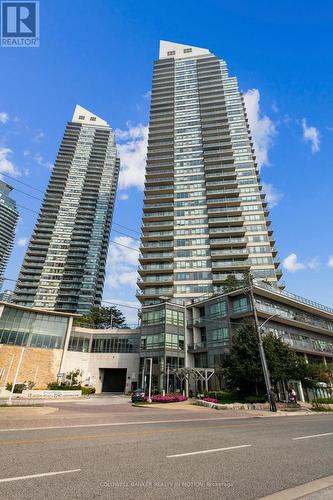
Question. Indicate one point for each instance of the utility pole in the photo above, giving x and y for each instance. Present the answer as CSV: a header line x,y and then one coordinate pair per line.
x,y
260,342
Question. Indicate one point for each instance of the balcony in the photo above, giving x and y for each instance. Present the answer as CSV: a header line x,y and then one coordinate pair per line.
x,y
152,268
156,235
147,257
158,196
230,210
310,345
225,220
158,215
224,201
157,292
218,183
154,206
213,192
156,244
214,231
294,316
234,264
222,242
152,225
230,252
159,188
158,180
156,279
197,347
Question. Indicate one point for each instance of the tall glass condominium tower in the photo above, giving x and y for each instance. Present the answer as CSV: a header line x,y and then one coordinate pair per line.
x,y
8,220
205,215
64,266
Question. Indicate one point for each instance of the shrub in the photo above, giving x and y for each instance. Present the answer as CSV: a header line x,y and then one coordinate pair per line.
x,y
255,399
168,398
17,389
53,386
88,390
324,401
209,399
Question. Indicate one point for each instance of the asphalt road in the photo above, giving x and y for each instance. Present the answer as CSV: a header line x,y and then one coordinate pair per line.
x,y
121,452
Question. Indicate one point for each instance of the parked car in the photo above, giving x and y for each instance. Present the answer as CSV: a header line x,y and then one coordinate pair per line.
x,y
138,395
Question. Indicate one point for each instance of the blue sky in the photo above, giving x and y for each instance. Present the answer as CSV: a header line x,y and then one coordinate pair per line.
x,y
100,54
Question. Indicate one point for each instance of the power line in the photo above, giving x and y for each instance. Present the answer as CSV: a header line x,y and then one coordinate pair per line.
x,y
40,199
103,301
21,182
111,241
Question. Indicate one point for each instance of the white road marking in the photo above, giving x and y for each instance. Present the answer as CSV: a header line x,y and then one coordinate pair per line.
x,y
313,436
32,476
111,424
209,451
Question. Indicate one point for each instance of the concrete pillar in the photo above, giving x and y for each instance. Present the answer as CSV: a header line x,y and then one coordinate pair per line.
x,y
66,342
301,393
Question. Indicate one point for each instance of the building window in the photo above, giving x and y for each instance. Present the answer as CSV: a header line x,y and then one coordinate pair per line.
x,y
219,336
186,51
93,118
171,53
219,309
155,317
240,305
81,117
174,317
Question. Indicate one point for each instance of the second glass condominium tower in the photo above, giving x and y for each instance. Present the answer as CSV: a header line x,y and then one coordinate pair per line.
x,y
64,266
205,216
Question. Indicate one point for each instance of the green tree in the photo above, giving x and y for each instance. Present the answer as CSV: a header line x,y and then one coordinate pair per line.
x,y
103,317
231,283
311,374
281,360
241,369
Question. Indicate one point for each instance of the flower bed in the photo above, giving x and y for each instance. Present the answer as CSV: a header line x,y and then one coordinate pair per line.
x,y
168,398
210,400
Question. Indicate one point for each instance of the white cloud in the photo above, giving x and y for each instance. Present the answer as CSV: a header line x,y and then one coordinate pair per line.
x,y
147,95
38,136
311,134
22,242
330,261
6,165
132,151
122,262
4,117
42,162
313,264
273,196
124,196
292,264
262,128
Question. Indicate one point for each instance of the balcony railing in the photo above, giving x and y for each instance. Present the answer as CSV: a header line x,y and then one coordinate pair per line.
x,y
199,346
295,297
